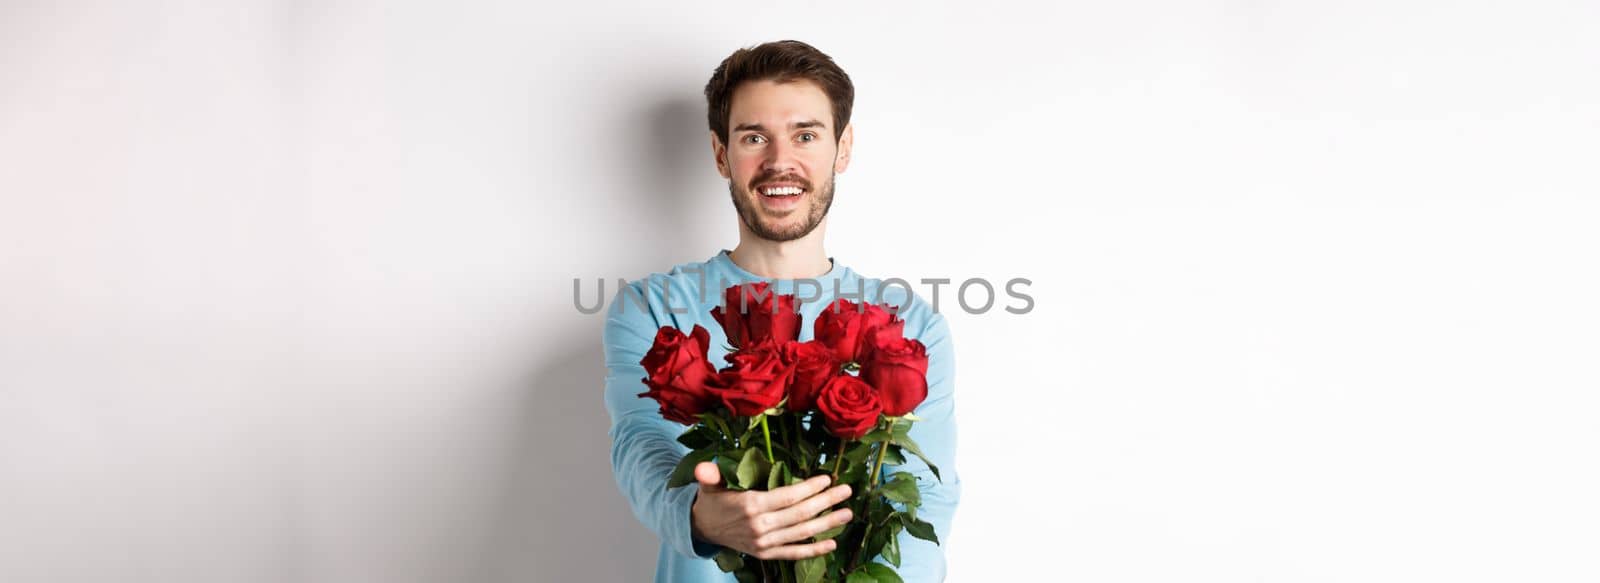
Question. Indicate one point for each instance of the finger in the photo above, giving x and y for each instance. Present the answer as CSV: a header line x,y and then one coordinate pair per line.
x,y
788,495
810,506
805,529
707,474
797,552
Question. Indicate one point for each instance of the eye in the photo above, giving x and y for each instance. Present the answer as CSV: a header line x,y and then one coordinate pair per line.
x,y
753,139
808,137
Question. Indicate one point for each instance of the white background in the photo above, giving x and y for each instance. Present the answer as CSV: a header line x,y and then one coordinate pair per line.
x,y
286,287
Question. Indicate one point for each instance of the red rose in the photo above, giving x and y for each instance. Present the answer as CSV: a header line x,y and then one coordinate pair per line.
x,y
751,314
897,367
848,327
849,407
814,365
679,375
756,381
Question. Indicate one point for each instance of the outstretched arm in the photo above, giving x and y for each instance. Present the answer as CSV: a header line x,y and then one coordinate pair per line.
x,y
644,446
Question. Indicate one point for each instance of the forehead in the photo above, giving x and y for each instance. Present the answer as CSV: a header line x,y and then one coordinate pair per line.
x,y
770,102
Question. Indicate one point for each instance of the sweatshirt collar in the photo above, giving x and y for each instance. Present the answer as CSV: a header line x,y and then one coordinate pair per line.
x,y
736,274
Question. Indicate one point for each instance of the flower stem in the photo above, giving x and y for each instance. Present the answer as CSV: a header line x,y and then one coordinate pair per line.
x,y
799,435
883,448
838,460
768,436
872,484
784,435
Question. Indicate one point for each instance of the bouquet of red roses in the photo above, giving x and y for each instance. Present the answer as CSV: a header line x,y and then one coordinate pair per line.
x,y
783,411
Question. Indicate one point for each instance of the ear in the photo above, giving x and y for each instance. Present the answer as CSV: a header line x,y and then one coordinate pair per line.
x,y
719,153
847,139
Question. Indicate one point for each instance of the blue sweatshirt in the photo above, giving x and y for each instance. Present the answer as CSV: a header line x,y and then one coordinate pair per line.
x,y
644,446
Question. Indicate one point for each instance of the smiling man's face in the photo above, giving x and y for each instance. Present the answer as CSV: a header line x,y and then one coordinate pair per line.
x,y
781,157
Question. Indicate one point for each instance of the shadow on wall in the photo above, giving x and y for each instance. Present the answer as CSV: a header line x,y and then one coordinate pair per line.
x,y
671,197
560,516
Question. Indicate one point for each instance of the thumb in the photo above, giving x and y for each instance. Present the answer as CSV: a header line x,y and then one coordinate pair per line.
x,y
709,477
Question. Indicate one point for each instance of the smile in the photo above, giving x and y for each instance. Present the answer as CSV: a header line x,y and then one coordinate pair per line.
x,y
781,191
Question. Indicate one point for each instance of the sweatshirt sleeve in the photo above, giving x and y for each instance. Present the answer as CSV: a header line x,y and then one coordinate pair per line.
x,y
644,446
922,561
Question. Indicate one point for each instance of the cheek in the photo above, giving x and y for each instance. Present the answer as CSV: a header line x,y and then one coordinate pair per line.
x,y
819,160
745,169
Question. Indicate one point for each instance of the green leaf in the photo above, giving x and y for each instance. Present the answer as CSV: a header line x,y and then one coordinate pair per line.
x,y
683,474
778,451
775,476
810,570
729,467
749,465
715,422
748,574
912,447
696,437
853,474
894,457
874,547
882,573
877,511
901,430
860,576
807,450
902,488
729,560
891,550
875,436
922,530
857,453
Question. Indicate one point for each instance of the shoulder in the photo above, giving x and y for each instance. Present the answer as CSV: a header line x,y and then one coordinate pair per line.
x,y
652,300
681,277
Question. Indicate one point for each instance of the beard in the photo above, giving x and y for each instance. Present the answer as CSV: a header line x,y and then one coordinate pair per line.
x,y
816,208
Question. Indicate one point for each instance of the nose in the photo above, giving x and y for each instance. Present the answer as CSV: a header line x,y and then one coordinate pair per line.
x,y
780,159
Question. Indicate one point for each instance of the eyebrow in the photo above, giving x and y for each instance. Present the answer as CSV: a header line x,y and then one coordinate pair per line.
x,y
755,127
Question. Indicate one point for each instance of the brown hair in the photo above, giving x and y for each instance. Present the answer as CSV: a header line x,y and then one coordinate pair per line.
x,y
781,61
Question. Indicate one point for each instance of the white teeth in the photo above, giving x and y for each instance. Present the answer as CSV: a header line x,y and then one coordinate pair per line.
x,y
782,191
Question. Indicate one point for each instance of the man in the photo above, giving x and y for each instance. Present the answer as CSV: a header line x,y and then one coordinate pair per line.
x,y
780,131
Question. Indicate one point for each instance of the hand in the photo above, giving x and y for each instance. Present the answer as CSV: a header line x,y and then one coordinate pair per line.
x,y
762,524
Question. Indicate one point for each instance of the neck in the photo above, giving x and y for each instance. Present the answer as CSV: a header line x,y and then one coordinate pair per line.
x,y
798,259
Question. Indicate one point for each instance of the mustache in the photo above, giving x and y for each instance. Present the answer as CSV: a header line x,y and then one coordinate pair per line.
x,y
806,184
